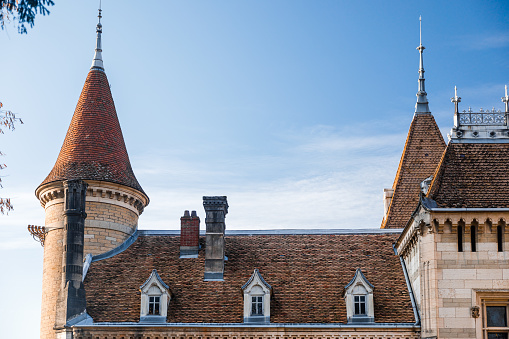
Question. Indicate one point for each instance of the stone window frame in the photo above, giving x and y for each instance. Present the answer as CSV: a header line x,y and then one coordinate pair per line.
x,y
487,298
359,286
256,286
154,286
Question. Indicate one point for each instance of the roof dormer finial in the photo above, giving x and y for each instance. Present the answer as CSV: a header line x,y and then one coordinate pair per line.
x,y
456,99
505,99
422,100
97,63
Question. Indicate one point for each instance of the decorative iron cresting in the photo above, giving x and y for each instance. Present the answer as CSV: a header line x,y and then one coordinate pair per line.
x,y
483,117
38,233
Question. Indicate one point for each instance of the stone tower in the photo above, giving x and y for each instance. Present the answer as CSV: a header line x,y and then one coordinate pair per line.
x,y
94,153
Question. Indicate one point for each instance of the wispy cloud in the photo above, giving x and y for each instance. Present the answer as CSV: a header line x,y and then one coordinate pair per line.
x,y
323,178
485,41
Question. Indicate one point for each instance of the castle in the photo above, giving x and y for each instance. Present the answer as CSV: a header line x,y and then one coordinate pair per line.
x,y
437,267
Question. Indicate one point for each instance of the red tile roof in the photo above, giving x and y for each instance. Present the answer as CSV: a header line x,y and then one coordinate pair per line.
x,y
423,149
307,273
472,175
94,147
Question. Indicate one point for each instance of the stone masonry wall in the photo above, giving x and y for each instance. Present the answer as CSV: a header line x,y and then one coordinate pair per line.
x,y
451,279
106,227
51,281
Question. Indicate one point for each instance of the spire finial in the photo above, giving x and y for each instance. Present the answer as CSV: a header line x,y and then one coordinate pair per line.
x,y
97,63
420,30
456,100
422,100
505,99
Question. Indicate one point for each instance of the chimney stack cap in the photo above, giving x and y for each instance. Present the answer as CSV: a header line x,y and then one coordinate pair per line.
x,y
215,203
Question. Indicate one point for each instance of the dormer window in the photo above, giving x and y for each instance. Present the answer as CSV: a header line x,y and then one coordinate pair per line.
x,y
154,304
155,298
257,306
359,304
256,299
359,299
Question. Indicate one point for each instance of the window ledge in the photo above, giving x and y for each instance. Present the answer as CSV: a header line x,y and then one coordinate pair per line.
x,y
257,319
361,319
158,319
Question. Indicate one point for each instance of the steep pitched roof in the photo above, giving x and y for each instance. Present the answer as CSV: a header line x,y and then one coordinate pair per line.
x,y
423,149
94,147
472,175
307,274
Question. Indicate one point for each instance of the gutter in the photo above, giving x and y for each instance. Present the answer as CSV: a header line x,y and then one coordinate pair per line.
x,y
410,289
250,325
467,209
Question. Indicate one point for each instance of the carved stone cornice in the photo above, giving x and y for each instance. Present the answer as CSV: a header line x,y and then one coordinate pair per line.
x,y
98,191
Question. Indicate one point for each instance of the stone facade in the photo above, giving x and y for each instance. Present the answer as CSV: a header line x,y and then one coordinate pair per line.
x,y
452,274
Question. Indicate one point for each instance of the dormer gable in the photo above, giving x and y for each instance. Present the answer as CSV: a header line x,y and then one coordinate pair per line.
x,y
359,300
155,298
257,294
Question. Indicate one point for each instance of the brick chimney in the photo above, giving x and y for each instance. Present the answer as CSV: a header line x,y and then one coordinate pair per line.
x,y
216,209
189,235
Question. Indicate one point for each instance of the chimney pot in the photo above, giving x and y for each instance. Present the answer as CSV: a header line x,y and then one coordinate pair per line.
x,y
193,214
186,213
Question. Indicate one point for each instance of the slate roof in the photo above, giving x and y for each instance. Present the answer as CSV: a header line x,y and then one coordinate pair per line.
x,y
94,146
307,274
423,149
472,175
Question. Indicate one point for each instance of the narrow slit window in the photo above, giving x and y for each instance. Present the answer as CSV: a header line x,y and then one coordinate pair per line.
x,y
500,238
473,237
460,238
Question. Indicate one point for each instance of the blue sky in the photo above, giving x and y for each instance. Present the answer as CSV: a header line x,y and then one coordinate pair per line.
x,y
296,110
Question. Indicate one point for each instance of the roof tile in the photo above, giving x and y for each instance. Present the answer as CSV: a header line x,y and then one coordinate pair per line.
x,y
94,147
423,149
307,273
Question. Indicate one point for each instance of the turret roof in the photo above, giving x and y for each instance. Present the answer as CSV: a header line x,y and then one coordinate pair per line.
x,y
94,147
423,149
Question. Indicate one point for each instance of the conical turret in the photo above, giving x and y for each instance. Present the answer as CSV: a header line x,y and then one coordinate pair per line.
x,y
93,154
424,147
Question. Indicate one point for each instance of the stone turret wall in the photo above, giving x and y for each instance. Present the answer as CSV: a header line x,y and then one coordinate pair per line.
x,y
51,281
112,216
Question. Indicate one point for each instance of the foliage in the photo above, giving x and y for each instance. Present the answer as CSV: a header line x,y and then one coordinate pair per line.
x,y
8,121
22,11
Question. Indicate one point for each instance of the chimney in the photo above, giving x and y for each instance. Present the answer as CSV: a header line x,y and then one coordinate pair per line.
x,y
71,300
388,193
189,235
216,209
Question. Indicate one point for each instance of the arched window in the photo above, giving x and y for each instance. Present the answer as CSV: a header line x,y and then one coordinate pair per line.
x,y
473,238
500,238
460,238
